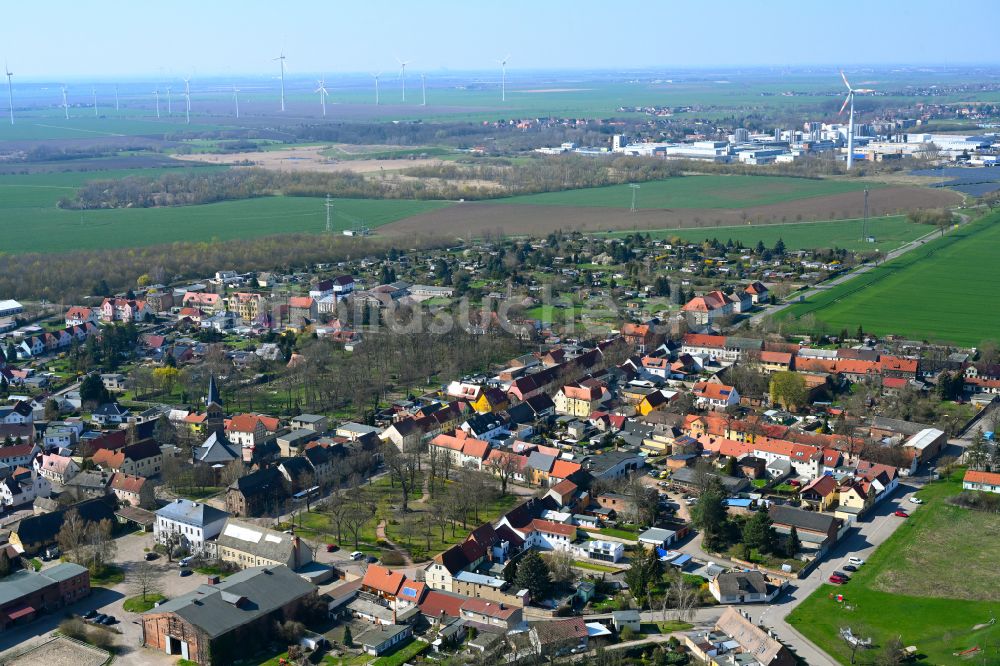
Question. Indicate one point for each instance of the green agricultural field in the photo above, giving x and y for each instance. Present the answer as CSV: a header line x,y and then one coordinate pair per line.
x,y
890,232
696,192
30,221
40,125
930,584
935,292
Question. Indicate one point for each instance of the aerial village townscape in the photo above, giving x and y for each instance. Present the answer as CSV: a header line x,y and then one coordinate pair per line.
x,y
596,352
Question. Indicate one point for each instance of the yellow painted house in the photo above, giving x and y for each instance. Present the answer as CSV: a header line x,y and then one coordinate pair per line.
x,y
655,401
489,401
854,498
577,401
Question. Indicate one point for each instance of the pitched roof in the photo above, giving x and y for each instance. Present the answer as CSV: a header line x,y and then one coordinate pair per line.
x,y
382,579
976,476
127,483
713,391
806,520
741,582
550,527
557,631
240,599
702,340
822,486
185,511
561,469
437,603
751,638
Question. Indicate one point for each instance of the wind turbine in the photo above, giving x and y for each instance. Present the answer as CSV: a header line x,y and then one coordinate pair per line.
x,y
402,76
850,120
503,77
10,93
156,94
65,104
375,76
170,106
281,60
236,98
322,94
117,109
423,90
93,94
187,101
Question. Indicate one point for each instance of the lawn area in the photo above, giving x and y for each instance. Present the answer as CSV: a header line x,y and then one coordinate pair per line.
x,y
942,558
591,566
403,655
671,626
695,192
890,232
28,213
109,576
621,533
140,605
932,293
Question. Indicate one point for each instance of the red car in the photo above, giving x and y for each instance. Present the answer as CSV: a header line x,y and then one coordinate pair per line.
x,y
332,548
837,580
901,514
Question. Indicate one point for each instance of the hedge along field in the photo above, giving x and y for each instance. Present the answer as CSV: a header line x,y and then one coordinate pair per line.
x,y
942,291
30,221
890,232
697,192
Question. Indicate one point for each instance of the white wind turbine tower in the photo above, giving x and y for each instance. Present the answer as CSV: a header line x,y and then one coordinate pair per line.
x,y
375,76
850,120
281,60
117,108
156,94
402,75
423,90
65,103
10,91
170,106
93,94
236,99
503,77
187,101
322,94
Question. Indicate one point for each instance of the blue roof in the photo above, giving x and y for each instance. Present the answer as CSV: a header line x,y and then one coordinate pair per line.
x,y
739,503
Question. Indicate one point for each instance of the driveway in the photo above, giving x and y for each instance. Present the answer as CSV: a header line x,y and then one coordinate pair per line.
x,y
861,541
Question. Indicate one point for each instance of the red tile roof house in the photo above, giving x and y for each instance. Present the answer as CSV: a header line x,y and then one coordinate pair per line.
x,y
548,535
134,490
987,482
491,614
706,309
715,396
558,637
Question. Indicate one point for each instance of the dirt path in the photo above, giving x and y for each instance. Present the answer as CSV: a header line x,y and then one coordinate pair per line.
x,y
380,534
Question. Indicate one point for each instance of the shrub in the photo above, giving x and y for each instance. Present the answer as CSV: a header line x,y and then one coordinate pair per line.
x,y
74,628
392,558
627,634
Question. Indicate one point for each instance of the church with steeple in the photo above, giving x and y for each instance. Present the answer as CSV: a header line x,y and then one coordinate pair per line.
x,y
216,450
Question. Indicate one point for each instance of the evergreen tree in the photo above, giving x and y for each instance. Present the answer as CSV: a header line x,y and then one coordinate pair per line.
x,y
758,532
533,575
792,544
709,514
348,638
644,572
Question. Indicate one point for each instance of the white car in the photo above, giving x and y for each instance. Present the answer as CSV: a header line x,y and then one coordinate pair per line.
x,y
856,561
357,555
916,500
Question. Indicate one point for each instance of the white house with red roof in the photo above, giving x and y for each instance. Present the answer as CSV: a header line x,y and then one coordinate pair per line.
x,y
79,315
709,307
709,395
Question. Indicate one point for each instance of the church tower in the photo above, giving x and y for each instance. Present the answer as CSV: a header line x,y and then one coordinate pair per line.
x,y
215,419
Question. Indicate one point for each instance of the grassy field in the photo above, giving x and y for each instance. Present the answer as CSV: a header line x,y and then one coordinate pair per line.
x,y
31,222
930,583
890,232
695,192
934,292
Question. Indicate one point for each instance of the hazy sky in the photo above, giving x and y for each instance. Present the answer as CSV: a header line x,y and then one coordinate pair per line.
x,y
116,38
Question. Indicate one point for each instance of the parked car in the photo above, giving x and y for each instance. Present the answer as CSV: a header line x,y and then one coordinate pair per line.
x,y
109,620
901,514
99,618
184,572
841,574
856,561
916,500
357,555
332,548
850,567
371,559
151,555
837,580
90,615
186,561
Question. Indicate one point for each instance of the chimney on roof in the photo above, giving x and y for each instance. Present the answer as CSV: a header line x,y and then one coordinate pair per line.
x,y
213,580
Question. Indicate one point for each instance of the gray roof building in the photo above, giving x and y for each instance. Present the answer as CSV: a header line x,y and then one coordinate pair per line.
x,y
244,597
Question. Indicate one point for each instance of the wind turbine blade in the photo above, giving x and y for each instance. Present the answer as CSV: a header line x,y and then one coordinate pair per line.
x,y
843,76
846,100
